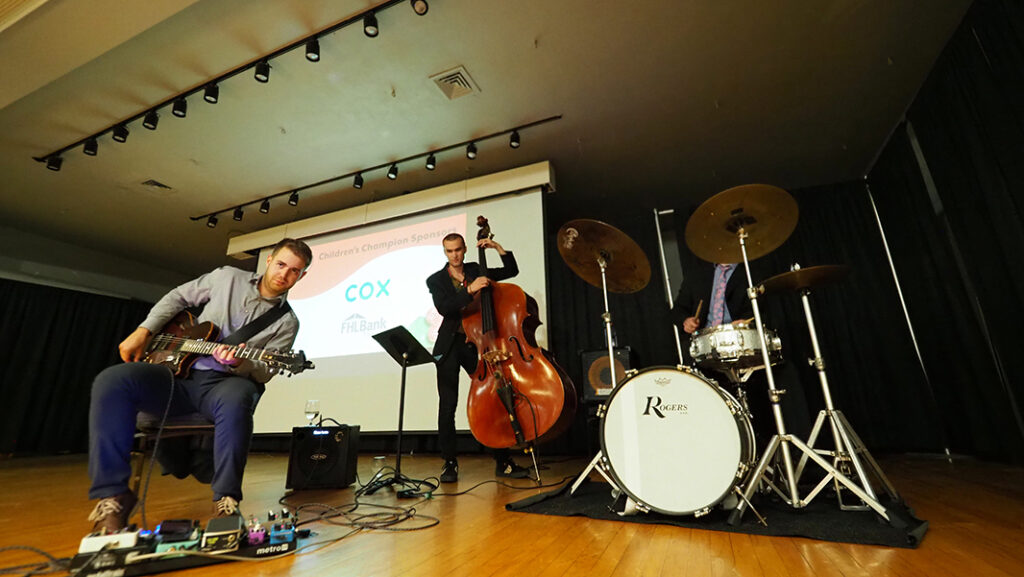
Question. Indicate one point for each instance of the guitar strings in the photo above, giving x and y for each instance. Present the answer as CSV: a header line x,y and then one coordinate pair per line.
x,y
201,346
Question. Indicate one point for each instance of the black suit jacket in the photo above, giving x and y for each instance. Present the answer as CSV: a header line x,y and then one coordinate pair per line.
x,y
697,286
450,301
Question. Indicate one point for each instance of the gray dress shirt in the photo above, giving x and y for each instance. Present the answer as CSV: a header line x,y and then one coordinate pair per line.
x,y
232,299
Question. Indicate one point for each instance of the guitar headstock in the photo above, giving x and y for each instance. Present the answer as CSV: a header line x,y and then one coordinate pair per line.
x,y
485,228
291,363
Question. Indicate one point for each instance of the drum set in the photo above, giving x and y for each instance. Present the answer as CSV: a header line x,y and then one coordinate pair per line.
x,y
675,441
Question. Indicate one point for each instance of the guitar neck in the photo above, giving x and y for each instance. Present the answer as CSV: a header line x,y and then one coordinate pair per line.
x,y
201,347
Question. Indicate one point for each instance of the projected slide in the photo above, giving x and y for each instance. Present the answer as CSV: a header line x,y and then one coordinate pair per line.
x,y
363,285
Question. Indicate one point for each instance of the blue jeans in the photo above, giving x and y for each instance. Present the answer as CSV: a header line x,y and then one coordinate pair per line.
x,y
121,391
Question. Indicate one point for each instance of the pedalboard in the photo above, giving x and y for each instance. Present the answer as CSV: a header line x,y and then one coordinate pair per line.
x,y
178,544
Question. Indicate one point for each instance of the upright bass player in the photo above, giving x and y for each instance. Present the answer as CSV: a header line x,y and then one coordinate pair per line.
x,y
453,288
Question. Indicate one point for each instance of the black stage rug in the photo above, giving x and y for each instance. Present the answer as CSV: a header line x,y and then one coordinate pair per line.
x,y
821,519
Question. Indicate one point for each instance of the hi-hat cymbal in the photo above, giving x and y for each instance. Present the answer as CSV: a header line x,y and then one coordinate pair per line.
x,y
584,243
767,214
804,278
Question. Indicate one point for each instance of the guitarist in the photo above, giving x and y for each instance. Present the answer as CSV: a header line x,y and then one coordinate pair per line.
x,y
221,387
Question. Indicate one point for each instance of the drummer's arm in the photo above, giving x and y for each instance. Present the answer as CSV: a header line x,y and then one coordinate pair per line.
x,y
682,308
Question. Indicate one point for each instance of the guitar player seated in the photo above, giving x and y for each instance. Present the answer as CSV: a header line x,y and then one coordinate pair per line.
x,y
222,383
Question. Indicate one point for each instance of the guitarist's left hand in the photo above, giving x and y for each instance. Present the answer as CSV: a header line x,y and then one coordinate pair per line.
x,y
225,355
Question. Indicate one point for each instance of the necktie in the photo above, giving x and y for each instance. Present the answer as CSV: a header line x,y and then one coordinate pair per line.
x,y
716,311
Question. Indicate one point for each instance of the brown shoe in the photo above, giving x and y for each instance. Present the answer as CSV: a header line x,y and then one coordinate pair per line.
x,y
111,514
225,507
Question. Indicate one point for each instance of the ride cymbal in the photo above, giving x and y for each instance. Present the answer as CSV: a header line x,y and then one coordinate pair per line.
x,y
584,243
804,278
767,214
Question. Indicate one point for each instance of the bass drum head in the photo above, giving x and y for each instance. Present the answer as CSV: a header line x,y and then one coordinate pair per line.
x,y
672,442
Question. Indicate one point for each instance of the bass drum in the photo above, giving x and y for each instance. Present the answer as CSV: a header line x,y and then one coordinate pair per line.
x,y
674,441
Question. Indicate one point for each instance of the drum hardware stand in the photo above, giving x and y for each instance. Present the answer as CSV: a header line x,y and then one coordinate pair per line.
x,y
743,498
782,439
846,442
602,261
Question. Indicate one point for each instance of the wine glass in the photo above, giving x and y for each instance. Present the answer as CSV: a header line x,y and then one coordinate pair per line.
x,y
312,411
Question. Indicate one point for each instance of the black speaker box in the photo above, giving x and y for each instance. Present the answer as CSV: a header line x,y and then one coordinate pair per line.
x,y
323,457
598,375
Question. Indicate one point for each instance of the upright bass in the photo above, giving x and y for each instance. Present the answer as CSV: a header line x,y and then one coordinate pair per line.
x,y
518,396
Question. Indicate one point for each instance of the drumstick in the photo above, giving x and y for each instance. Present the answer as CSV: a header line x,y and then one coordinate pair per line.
x,y
699,304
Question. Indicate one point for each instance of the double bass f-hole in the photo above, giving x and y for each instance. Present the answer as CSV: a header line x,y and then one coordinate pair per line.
x,y
519,347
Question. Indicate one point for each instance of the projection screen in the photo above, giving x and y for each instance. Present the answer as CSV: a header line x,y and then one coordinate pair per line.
x,y
370,276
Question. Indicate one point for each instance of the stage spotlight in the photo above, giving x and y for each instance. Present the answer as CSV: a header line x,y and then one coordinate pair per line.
x,y
393,171
212,221
370,26
120,133
294,199
91,147
238,214
212,94
54,163
180,107
431,162
151,119
313,50
471,151
265,206
263,71
357,182
419,6
513,140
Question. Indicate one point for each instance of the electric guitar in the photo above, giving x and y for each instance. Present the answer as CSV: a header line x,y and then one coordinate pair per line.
x,y
182,341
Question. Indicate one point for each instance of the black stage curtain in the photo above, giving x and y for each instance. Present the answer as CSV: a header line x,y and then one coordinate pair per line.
x,y
969,122
52,343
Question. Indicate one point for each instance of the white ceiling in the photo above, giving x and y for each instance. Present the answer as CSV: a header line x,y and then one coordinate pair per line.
x,y
662,102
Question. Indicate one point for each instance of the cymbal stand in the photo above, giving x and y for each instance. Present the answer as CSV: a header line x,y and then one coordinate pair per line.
x,y
598,460
782,439
848,446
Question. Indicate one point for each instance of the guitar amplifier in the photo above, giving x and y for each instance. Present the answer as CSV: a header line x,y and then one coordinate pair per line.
x,y
598,375
323,457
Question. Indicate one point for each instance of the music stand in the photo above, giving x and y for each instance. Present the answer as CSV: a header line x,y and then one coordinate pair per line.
x,y
407,352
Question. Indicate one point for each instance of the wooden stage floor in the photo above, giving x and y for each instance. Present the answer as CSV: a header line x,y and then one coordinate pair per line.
x,y
975,510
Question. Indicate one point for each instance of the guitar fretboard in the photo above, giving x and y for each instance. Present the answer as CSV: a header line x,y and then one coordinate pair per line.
x,y
201,347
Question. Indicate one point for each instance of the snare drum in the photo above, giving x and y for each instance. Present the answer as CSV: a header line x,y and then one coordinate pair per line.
x,y
733,346
674,441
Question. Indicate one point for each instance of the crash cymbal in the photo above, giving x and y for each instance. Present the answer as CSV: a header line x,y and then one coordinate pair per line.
x,y
804,278
584,242
766,213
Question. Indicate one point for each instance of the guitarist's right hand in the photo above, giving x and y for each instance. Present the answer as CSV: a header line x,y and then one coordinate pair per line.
x,y
133,347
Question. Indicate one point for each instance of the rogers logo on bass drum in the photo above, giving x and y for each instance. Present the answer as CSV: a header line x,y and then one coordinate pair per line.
x,y
659,408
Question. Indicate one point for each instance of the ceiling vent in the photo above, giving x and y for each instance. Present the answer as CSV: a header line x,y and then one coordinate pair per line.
x,y
455,82
157,188
156,184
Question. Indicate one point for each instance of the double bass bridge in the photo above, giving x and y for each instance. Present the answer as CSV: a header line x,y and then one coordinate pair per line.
x,y
493,357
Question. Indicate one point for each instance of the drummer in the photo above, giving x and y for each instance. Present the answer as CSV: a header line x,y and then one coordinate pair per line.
x,y
719,291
